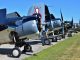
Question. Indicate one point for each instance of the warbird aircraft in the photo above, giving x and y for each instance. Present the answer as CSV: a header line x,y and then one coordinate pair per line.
x,y
47,22
14,26
68,27
38,23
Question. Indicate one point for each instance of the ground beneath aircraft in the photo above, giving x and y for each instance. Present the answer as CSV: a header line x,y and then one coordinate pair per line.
x,y
5,50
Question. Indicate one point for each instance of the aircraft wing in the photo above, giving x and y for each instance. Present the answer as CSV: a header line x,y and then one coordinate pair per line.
x,y
57,28
14,22
13,15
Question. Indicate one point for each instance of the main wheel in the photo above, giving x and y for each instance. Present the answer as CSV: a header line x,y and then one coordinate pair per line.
x,y
63,36
54,39
16,52
45,42
27,48
69,34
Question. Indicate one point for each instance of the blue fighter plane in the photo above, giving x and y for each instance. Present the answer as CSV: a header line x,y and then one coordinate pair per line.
x,y
39,24
14,26
47,22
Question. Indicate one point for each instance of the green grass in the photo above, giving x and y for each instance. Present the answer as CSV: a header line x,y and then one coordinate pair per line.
x,y
64,50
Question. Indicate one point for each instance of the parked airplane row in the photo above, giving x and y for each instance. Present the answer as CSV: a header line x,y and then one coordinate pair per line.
x,y
39,23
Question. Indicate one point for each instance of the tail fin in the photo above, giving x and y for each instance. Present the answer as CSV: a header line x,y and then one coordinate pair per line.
x,y
2,13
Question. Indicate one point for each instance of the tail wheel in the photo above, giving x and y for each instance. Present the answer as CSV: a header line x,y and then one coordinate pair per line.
x,y
14,37
16,53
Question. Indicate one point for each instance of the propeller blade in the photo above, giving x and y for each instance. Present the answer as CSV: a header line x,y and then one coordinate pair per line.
x,y
61,16
72,21
79,22
62,22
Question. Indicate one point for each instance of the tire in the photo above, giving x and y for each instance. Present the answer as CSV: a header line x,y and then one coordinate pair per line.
x,y
59,38
47,42
63,36
42,41
54,39
16,53
70,35
27,48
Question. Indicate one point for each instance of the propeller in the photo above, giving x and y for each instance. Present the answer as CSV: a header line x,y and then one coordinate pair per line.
x,y
79,22
62,22
61,16
72,21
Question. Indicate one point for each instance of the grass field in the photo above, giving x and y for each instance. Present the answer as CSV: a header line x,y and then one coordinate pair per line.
x,y
68,49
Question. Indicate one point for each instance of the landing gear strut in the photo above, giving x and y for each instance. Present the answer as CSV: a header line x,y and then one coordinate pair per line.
x,y
44,39
16,52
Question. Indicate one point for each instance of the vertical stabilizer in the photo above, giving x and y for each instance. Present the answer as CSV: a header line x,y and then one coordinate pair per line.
x,y
2,13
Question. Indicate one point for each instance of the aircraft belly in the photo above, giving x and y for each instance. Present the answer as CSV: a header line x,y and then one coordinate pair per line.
x,y
4,37
31,36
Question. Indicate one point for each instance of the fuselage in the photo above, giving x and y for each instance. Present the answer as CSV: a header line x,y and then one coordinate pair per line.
x,y
27,28
47,19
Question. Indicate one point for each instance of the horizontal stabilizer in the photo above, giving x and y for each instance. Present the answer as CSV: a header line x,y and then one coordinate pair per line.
x,y
13,15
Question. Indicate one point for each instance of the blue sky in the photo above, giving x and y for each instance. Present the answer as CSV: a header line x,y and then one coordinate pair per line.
x,y
70,8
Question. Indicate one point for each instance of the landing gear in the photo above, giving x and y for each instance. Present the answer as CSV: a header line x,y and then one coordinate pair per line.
x,y
16,52
46,42
63,36
54,39
13,36
27,48
69,34
44,39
